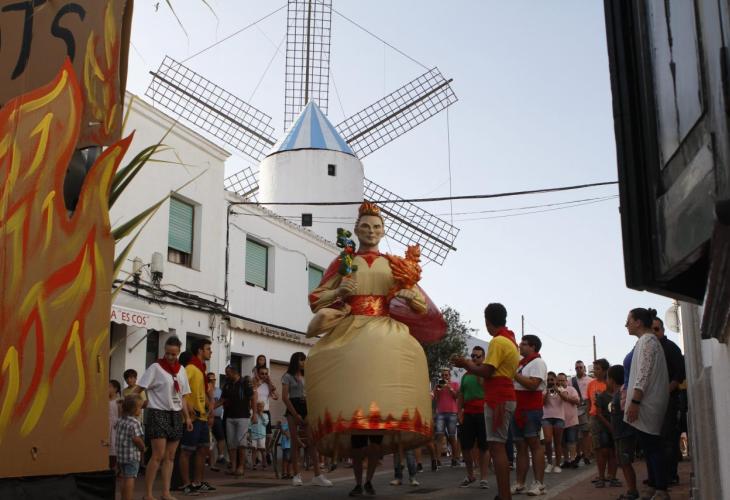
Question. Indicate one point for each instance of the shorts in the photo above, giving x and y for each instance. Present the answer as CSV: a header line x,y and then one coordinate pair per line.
x,y
554,422
447,421
269,430
236,432
625,450
286,454
532,425
300,405
163,424
473,429
583,422
258,443
358,441
199,437
217,429
570,434
601,437
128,469
501,433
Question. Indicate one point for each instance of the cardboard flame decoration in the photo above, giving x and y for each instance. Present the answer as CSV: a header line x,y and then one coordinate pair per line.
x,y
55,286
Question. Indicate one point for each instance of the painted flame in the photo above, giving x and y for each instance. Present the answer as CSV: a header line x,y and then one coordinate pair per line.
x,y
56,269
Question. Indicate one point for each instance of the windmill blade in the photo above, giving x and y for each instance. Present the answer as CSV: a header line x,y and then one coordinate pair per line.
x,y
397,113
307,56
213,109
409,224
243,183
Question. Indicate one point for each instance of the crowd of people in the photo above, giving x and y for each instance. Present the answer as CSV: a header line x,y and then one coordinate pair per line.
x,y
555,422
508,411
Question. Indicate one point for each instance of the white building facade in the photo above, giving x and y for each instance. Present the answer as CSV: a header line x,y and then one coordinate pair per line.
x,y
236,274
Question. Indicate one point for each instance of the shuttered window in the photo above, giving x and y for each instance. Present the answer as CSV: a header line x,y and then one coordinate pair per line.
x,y
180,236
315,276
257,264
180,232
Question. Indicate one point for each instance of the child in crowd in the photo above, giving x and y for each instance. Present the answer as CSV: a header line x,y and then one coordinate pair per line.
x,y
601,430
130,443
624,437
258,434
285,444
115,389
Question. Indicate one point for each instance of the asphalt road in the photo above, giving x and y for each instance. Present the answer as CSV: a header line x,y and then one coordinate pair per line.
x,y
443,483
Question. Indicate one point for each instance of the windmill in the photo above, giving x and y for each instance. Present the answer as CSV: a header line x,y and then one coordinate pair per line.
x,y
314,161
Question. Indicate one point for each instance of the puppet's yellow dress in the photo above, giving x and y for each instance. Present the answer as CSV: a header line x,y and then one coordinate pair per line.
x,y
368,375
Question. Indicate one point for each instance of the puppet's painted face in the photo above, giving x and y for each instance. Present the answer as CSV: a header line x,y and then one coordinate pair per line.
x,y
369,230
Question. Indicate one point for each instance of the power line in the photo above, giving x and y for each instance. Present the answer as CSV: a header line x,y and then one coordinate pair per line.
x,y
536,211
439,198
235,33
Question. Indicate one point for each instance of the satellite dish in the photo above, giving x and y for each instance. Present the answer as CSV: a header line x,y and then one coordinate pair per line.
x,y
671,317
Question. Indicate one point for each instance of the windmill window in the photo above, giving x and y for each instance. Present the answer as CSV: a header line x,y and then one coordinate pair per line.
x,y
315,276
306,220
257,264
180,233
331,169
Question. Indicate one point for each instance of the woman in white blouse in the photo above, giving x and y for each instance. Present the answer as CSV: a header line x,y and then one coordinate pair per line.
x,y
647,397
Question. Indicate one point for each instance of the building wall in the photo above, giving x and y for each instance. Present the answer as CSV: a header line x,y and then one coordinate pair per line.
x,y
291,251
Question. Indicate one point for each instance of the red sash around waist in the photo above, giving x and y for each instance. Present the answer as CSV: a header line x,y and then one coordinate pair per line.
x,y
368,305
498,390
529,400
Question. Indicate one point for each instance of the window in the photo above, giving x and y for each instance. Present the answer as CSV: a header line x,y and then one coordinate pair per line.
x,y
315,276
257,264
152,352
332,170
306,220
180,233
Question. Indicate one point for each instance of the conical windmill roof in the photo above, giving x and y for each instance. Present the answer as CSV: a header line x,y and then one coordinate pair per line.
x,y
312,130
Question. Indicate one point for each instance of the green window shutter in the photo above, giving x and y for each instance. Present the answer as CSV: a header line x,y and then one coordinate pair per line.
x,y
180,233
315,276
257,262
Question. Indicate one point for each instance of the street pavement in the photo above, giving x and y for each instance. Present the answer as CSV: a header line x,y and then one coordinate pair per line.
x,y
571,484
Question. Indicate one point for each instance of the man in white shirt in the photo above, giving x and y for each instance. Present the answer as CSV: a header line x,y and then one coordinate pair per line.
x,y
585,443
527,421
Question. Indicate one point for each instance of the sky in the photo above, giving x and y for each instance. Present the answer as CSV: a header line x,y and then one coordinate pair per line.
x,y
534,111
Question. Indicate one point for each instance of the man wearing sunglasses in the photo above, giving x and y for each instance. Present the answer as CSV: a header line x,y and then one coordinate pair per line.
x,y
473,428
677,374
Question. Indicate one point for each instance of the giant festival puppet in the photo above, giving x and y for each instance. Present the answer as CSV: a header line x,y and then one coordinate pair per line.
x,y
367,374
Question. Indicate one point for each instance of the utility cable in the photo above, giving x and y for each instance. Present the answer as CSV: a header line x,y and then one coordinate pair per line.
x,y
433,199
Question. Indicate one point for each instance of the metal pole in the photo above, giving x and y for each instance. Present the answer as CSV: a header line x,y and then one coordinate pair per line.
x,y
523,325
595,356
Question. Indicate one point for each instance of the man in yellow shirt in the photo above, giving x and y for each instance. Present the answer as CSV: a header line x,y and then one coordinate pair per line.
x,y
498,370
197,440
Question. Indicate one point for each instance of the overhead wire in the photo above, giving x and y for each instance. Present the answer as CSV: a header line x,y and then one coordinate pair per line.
x,y
434,199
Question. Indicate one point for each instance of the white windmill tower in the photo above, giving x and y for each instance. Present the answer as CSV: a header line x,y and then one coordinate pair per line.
x,y
314,161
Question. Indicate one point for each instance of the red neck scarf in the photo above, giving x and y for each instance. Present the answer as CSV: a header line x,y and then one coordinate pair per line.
x,y
195,361
172,369
524,361
503,331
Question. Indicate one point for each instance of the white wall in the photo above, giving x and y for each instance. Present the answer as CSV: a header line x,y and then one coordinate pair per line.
x,y
156,180
290,251
302,176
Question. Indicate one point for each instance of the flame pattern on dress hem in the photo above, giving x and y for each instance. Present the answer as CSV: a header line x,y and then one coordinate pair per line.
x,y
373,421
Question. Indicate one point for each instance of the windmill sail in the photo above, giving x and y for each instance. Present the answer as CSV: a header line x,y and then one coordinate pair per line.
x,y
397,113
307,56
405,222
213,109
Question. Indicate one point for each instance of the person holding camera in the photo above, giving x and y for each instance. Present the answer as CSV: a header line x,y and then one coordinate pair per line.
x,y
445,394
553,423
